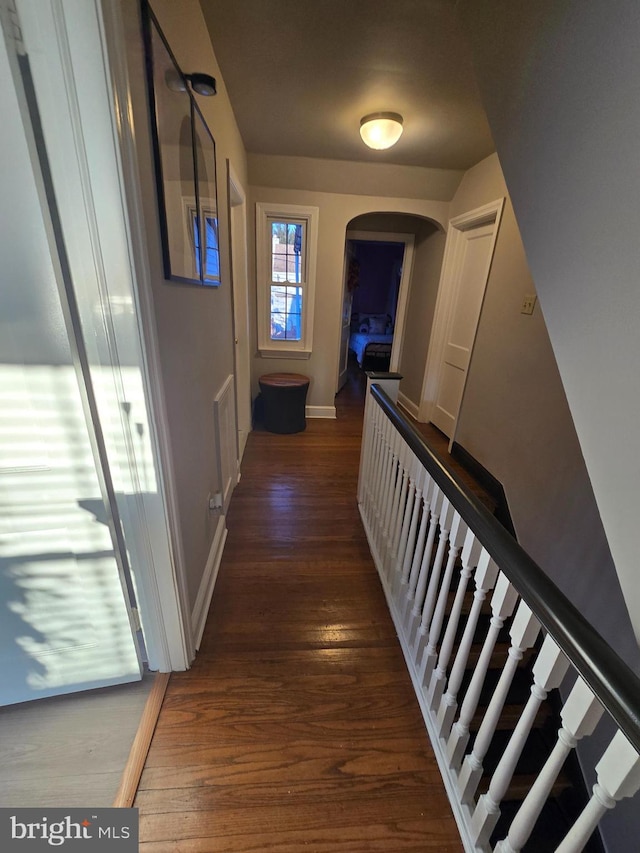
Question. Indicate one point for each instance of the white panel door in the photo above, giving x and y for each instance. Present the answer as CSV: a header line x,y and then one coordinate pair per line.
x,y
64,611
468,281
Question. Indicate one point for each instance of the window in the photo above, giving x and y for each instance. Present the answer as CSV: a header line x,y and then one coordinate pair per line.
x,y
211,272
286,242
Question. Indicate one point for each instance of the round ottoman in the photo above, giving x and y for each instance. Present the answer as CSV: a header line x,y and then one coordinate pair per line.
x,y
283,401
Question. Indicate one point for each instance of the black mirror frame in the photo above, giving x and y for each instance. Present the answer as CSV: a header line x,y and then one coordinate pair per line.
x,y
173,230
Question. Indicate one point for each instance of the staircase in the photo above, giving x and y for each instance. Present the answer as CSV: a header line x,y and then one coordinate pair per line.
x,y
469,608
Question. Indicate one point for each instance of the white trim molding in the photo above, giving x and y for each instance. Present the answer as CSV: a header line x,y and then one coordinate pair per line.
x,y
408,240
320,412
207,584
408,405
79,67
267,347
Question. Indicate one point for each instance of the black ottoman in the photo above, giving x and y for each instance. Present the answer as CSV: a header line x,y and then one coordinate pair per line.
x,y
283,401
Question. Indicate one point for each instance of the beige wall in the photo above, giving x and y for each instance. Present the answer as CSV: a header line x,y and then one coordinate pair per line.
x,y
194,324
339,176
565,120
516,422
427,265
423,290
336,211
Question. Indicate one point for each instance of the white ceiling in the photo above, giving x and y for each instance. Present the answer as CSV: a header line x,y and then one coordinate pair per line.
x,y
301,74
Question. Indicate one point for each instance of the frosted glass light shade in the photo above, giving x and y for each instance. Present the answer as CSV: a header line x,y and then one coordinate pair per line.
x,y
381,130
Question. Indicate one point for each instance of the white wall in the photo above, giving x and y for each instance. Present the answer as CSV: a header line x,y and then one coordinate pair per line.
x,y
195,324
515,421
566,120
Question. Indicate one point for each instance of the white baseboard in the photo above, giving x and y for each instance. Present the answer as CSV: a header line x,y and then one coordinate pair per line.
x,y
320,411
408,406
205,591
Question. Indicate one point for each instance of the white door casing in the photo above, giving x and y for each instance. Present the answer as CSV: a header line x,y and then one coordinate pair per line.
x,y
239,275
345,323
85,103
467,260
66,620
408,240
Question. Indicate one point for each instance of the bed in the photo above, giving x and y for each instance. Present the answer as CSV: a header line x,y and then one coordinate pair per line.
x,y
372,351
371,340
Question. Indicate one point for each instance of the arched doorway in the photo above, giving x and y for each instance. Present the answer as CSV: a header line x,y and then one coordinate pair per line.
x,y
378,273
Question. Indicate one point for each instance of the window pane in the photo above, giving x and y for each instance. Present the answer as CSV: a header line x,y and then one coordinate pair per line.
x,y
287,251
286,313
211,252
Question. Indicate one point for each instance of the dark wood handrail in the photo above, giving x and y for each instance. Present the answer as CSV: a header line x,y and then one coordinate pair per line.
x,y
613,682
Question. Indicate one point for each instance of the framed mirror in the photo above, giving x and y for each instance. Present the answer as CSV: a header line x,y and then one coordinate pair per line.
x,y
206,223
185,166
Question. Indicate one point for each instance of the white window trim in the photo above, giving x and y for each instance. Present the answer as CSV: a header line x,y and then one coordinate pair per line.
x,y
285,349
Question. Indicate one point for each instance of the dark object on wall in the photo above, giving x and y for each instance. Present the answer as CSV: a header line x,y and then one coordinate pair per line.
x,y
489,483
283,401
185,162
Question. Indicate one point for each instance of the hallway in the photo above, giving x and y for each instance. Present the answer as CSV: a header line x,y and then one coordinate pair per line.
x,y
297,727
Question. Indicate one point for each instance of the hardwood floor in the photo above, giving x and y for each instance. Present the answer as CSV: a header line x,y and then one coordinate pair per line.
x,y
297,728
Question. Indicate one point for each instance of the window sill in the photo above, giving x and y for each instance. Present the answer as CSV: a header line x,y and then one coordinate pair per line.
x,y
284,353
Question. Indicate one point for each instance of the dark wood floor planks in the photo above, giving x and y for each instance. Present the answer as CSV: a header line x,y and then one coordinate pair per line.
x,y
297,728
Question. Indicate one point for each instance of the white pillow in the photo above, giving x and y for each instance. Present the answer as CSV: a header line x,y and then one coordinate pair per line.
x,y
378,325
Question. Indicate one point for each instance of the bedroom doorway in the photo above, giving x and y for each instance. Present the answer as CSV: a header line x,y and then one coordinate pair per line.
x,y
377,272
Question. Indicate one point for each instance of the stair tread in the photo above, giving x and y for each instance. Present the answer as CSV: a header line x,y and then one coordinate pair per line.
x,y
521,785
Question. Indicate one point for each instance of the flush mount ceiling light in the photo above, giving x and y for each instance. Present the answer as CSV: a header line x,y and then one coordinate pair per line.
x,y
381,130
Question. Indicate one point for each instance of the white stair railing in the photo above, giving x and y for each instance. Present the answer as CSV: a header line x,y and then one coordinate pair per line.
x,y
440,556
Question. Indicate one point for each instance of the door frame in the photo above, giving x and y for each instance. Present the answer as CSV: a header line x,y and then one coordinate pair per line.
x,y
343,364
408,240
488,214
87,127
240,297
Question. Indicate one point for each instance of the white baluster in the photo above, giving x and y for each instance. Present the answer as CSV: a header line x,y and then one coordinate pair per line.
x,y
423,610
381,451
400,507
418,582
457,534
375,466
471,551
398,483
524,632
503,602
390,487
368,434
427,520
405,558
485,578
384,484
618,773
580,715
548,671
